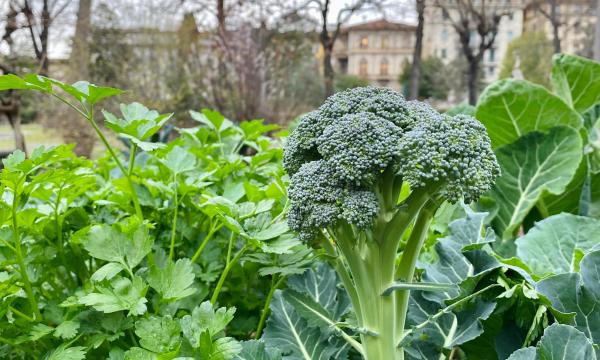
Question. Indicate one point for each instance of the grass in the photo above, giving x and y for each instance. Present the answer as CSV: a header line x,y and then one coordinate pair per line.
x,y
35,135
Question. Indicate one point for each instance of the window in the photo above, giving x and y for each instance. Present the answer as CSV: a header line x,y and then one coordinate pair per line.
x,y
509,35
364,42
510,16
444,35
443,53
445,15
385,42
384,67
363,67
491,70
492,55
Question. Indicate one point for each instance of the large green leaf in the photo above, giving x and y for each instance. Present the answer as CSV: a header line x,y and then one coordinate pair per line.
x,y
257,350
576,80
558,343
512,108
290,333
535,164
578,293
555,244
159,335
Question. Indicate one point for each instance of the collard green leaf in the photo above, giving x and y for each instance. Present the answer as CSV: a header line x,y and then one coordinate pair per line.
x,y
511,108
578,293
576,80
551,246
159,335
534,164
559,342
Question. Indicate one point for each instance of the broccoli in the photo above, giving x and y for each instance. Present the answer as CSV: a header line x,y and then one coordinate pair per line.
x,y
365,168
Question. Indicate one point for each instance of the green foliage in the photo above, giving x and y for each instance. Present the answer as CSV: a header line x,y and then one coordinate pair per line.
x,y
434,81
531,53
182,250
345,82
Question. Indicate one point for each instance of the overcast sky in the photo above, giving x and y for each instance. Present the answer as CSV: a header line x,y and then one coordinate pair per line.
x,y
164,14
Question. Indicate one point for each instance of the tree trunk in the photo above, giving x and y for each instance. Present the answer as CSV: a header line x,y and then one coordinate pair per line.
x,y
74,128
472,80
555,25
80,52
597,34
15,122
328,70
44,62
415,71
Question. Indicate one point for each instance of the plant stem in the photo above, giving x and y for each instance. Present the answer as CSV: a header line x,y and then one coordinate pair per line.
x,y
132,152
134,196
204,242
275,283
406,268
20,260
174,224
24,316
446,310
340,268
228,266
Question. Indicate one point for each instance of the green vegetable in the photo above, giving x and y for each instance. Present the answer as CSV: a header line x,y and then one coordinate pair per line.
x,y
349,161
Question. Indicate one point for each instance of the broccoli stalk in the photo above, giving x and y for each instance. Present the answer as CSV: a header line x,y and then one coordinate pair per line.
x,y
369,169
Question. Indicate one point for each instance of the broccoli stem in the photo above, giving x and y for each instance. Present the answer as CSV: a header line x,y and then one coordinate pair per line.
x,y
372,265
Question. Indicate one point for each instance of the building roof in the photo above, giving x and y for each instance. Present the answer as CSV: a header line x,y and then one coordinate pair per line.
x,y
379,25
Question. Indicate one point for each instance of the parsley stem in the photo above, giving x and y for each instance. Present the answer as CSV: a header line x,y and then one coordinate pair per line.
x,y
20,260
174,225
230,264
134,197
19,313
207,238
275,283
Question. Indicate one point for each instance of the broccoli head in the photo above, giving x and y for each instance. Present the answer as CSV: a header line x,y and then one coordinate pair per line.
x,y
340,157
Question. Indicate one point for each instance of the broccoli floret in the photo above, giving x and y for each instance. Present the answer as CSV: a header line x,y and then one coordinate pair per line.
x,y
359,146
349,161
356,136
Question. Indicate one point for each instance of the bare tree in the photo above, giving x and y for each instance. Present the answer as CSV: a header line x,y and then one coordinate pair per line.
x,y
474,16
549,9
597,33
415,70
36,20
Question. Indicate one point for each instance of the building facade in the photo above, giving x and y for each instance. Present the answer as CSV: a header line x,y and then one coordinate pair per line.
x,y
441,40
375,51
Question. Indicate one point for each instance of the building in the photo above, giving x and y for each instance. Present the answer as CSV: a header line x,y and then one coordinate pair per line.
x,y
441,40
375,51
576,18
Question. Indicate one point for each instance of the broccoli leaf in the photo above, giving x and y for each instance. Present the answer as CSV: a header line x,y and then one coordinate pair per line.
x,y
289,332
257,350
